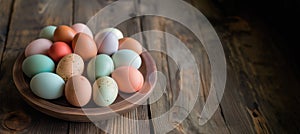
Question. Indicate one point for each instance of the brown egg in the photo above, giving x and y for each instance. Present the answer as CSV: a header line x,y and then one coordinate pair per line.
x,y
64,33
70,65
130,43
84,46
78,90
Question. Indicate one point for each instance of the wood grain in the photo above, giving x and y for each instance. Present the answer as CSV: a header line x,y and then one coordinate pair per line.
x,y
25,23
5,14
265,85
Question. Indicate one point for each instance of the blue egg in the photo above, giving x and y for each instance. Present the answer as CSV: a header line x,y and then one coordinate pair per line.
x,y
47,85
126,57
36,64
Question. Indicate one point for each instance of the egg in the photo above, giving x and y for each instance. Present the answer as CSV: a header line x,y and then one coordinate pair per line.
x,y
64,33
47,85
130,43
101,65
70,65
126,57
115,31
78,90
59,50
82,28
107,43
84,46
47,32
38,46
36,64
129,79
105,91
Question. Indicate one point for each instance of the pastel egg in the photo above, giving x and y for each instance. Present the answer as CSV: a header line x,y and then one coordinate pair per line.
x,y
105,91
70,65
130,43
38,46
36,64
84,46
115,31
107,43
82,28
64,33
101,65
47,85
47,32
126,57
129,79
78,90
58,50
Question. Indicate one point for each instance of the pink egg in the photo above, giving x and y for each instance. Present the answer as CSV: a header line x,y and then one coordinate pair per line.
x,y
38,46
79,27
130,43
129,79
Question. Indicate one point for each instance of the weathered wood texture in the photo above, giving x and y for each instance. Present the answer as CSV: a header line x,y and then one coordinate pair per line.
x,y
27,18
261,93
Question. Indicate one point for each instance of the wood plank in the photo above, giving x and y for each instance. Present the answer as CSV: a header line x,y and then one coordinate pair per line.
x,y
28,17
83,11
265,82
217,124
169,68
5,14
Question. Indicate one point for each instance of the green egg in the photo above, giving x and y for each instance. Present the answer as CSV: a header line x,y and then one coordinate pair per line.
x,y
47,32
36,64
101,65
47,85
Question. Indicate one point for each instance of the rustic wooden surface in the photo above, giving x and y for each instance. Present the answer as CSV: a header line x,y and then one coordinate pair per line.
x,y
261,94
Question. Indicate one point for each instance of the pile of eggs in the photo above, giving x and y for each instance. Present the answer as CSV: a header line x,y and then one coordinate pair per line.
x,y
71,62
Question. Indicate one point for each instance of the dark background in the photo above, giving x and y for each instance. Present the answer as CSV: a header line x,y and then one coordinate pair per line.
x,y
281,16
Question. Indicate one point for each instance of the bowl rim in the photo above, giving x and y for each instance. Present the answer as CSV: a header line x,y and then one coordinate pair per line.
x,y
80,114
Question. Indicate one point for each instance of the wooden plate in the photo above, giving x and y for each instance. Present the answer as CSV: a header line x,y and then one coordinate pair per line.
x,y
61,109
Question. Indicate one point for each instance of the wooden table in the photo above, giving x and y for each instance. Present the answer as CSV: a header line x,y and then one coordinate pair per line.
x,y
261,91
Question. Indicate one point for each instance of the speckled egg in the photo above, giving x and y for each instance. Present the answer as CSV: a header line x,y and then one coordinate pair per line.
x,y
47,32
129,79
36,64
82,28
130,43
78,90
70,65
38,46
47,85
107,43
101,65
105,91
126,57
84,46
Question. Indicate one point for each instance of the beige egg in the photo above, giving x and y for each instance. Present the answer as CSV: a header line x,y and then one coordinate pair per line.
x,y
70,65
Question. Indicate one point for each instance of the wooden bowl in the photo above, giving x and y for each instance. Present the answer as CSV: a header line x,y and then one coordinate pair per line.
x,y
61,109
